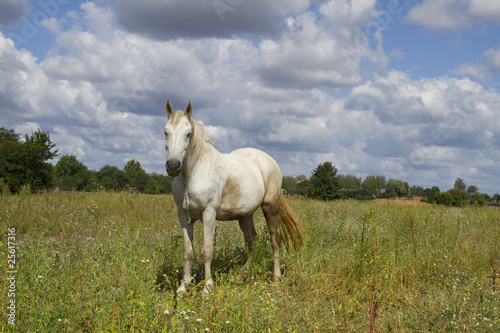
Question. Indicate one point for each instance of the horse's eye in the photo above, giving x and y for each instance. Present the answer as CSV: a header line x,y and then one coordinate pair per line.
x,y
188,135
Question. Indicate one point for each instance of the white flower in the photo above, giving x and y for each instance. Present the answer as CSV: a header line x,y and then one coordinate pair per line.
x,y
198,320
166,312
39,276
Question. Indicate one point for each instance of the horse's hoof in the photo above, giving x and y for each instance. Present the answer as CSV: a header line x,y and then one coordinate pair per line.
x,y
242,275
207,289
181,291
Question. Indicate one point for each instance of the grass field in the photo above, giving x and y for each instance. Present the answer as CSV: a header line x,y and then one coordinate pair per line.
x,y
111,262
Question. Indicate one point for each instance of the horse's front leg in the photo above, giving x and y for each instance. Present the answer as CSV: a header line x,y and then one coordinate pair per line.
x,y
207,252
187,235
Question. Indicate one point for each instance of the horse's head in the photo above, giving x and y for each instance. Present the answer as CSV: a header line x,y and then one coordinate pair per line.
x,y
178,132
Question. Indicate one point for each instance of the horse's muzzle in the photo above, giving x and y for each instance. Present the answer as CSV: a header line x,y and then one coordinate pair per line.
x,y
173,167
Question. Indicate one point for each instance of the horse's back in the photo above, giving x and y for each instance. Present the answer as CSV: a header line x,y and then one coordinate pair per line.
x,y
267,166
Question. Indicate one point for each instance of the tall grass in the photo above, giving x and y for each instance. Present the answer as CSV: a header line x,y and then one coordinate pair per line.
x,y
99,262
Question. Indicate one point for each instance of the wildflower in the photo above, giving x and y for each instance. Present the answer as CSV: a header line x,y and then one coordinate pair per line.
x,y
166,312
39,276
198,320
227,321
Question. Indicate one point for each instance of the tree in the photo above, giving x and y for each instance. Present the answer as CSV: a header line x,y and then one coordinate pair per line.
x,y
477,199
289,184
349,184
417,191
472,189
444,198
92,183
373,184
39,150
158,184
433,192
137,176
397,186
459,184
12,160
302,186
26,162
71,174
112,178
324,183
459,197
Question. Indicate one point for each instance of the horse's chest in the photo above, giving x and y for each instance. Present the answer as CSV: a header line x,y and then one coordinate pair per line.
x,y
196,203
195,209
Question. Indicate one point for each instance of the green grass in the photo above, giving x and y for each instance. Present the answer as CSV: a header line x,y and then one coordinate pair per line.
x,y
110,262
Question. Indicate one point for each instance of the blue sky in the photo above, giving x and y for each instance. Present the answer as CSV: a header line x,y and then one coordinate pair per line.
x,y
405,89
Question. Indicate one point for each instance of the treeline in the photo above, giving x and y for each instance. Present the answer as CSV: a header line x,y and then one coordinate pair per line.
x,y
458,196
325,184
24,163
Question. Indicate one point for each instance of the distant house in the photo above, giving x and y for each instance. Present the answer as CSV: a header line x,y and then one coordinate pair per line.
x,y
302,180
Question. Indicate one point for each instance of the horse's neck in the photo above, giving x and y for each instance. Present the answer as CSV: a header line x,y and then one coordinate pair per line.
x,y
202,164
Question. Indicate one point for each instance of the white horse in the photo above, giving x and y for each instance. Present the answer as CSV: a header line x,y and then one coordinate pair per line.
x,y
210,186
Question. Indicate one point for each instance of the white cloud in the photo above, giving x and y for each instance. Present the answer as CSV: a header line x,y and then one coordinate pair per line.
x,y
482,71
324,50
485,10
443,15
52,25
429,124
493,58
308,57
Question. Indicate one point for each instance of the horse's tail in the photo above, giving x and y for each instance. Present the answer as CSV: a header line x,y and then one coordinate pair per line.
x,y
292,231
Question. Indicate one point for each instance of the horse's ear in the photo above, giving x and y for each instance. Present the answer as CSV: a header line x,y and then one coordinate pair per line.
x,y
189,109
168,109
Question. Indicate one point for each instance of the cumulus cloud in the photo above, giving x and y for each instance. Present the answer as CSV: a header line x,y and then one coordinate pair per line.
x,y
446,111
483,71
444,15
323,49
429,124
308,57
12,11
484,10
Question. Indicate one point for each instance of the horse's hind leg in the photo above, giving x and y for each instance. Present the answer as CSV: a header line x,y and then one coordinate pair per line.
x,y
246,225
271,212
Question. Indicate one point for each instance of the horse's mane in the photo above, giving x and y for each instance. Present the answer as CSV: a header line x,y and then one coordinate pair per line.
x,y
198,146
